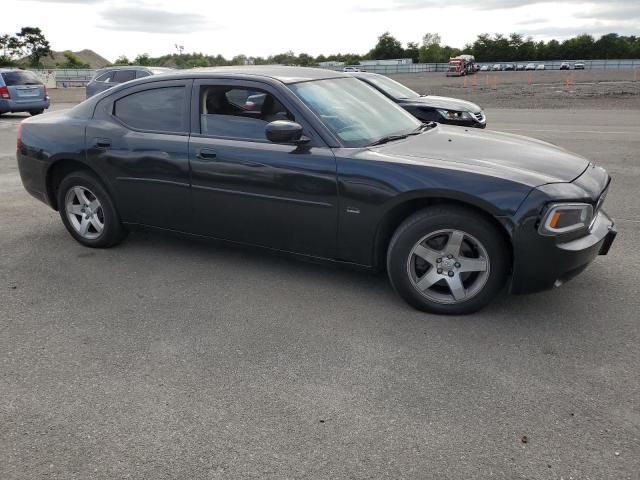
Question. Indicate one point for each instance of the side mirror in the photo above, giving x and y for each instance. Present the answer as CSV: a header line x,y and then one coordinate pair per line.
x,y
285,131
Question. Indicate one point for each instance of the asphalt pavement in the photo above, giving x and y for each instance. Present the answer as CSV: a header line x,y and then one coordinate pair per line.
x,y
169,357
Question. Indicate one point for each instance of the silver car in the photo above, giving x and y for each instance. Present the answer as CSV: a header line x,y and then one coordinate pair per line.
x,y
22,91
105,78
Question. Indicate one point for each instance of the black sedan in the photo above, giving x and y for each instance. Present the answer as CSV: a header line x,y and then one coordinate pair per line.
x,y
428,108
326,168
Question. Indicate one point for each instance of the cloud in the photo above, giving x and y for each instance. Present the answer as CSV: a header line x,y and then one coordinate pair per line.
x,y
626,11
481,5
66,1
152,20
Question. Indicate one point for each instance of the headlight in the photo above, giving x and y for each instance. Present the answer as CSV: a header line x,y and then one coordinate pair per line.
x,y
454,115
565,217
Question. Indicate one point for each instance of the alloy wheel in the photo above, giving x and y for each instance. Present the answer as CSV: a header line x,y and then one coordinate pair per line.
x,y
448,266
84,212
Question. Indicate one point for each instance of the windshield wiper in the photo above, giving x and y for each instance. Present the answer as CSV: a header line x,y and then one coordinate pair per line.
x,y
388,138
423,127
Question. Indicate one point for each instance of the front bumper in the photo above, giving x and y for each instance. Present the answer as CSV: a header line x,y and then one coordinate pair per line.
x,y
542,263
10,105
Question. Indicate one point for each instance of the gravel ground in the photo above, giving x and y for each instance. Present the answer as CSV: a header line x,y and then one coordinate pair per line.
x,y
172,358
602,89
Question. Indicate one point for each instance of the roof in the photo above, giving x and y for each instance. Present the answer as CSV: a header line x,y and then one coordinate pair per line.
x,y
281,73
364,74
125,67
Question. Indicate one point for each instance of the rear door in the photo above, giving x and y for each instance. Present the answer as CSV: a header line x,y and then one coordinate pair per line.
x,y
139,139
24,86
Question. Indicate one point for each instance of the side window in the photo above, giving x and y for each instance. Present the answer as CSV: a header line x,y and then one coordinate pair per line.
x,y
105,77
160,109
238,112
142,74
124,76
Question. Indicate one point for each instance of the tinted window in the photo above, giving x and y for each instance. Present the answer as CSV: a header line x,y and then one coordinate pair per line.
x,y
239,112
105,77
20,77
161,109
142,73
124,76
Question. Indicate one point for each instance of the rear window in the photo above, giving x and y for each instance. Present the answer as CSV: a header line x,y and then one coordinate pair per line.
x,y
124,76
105,77
160,109
20,77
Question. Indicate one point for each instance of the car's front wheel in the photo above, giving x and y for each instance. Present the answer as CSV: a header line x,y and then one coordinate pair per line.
x,y
448,260
88,212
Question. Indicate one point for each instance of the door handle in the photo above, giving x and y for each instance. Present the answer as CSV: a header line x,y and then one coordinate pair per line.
x,y
206,154
103,143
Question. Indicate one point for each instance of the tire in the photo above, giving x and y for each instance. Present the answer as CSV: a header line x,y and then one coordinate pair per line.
x,y
97,226
36,112
423,274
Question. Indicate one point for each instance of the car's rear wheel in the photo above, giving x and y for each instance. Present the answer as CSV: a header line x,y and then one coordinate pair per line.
x,y
448,260
36,112
88,212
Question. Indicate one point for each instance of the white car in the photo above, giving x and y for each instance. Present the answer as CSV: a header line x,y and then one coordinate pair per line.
x,y
484,68
540,67
530,66
579,66
351,69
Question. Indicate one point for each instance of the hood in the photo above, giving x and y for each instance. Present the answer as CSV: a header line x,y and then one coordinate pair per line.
x,y
444,103
504,155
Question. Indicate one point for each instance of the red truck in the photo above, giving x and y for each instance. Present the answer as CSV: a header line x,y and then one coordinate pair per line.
x,y
461,65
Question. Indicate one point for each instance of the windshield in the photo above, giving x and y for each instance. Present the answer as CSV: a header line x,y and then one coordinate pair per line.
x,y
356,113
20,77
391,87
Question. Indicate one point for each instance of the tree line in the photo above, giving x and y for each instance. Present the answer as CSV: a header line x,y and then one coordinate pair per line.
x,y
29,46
486,48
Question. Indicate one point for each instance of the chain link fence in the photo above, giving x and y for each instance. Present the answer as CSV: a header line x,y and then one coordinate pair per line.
x,y
628,64
70,77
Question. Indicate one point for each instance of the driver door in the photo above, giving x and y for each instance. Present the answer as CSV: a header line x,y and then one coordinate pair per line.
x,y
250,190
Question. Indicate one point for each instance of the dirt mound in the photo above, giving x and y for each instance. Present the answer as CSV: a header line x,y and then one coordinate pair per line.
x,y
87,56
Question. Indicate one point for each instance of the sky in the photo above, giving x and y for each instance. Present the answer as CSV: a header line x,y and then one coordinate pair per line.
x,y
261,28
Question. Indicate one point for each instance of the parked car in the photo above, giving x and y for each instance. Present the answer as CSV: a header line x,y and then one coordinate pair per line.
x,y
540,66
509,67
520,66
427,107
496,67
565,66
530,66
328,168
578,66
351,69
105,78
484,68
22,91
